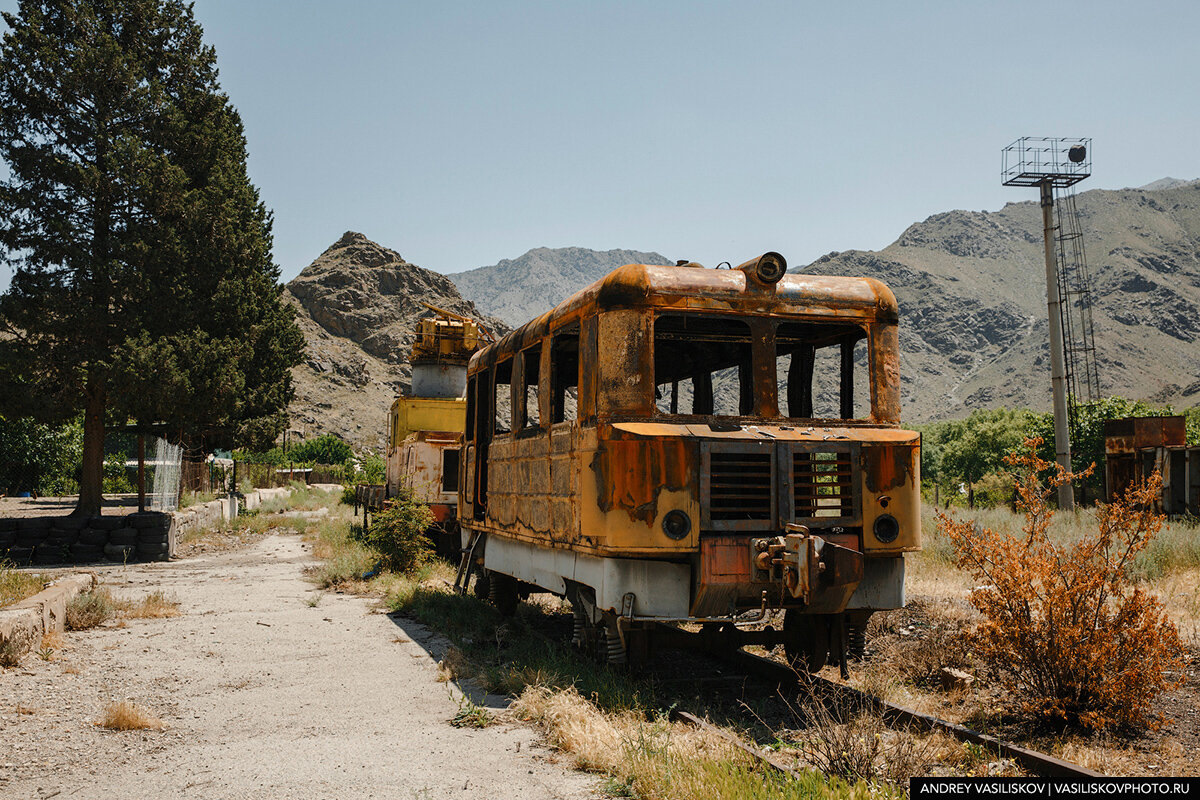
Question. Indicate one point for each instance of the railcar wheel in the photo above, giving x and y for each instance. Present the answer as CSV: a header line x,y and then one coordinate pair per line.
x,y
502,592
806,639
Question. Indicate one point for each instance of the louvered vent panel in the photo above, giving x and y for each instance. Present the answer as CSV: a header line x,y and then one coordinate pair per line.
x,y
823,484
740,486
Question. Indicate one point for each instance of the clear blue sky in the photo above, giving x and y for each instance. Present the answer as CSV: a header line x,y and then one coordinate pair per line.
x,y
462,133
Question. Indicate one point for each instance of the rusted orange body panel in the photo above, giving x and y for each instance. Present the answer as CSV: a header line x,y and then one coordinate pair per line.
x,y
608,483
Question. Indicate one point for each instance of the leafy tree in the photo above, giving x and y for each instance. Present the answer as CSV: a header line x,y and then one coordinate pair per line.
x,y
324,449
1192,415
143,285
38,457
976,446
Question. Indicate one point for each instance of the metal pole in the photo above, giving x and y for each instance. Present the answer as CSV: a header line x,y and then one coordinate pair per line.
x,y
1058,372
141,473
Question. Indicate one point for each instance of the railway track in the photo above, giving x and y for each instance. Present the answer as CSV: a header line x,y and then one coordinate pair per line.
x,y
894,716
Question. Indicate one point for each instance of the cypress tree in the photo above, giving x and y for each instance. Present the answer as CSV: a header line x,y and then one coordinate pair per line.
x,y
143,283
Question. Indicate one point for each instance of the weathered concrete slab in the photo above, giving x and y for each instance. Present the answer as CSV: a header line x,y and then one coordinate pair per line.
x,y
24,623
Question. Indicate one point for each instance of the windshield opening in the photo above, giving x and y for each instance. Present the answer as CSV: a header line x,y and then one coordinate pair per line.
x,y
702,365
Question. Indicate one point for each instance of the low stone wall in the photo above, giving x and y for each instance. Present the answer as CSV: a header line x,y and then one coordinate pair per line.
x,y
198,517
22,624
87,540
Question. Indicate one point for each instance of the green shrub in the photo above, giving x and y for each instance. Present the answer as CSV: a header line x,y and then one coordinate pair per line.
x,y
398,533
90,609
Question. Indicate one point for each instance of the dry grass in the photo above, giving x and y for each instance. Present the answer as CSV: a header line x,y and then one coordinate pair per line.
x,y
98,606
860,748
654,759
123,715
16,585
454,665
598,741
915,650
155,605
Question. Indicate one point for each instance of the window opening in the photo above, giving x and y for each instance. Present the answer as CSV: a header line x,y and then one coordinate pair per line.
x,y
503,396
564,375
450,469
533,362
703,365
822,371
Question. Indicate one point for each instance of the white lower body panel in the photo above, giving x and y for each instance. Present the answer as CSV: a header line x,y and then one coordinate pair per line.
x,y
660,589
882,586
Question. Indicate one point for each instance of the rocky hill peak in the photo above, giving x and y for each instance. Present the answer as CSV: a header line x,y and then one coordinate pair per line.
x,y
355,249
358,304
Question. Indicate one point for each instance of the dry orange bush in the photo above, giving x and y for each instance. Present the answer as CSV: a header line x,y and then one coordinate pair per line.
x,y
1080,644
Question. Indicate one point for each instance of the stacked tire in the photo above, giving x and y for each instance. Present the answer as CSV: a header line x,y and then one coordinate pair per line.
x,y
152,537
31,534
61,537
90,546
8,535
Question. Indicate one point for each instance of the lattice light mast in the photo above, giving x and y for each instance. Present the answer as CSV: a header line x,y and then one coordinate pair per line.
x,y
1051,164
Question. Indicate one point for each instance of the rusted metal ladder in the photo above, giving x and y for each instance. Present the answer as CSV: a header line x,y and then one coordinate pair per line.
x,y
463,577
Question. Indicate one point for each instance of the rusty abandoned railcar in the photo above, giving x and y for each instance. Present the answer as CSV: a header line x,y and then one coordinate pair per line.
x,y
682,444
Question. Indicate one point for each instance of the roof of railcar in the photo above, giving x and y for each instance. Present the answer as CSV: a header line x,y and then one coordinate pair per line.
x,y
695,288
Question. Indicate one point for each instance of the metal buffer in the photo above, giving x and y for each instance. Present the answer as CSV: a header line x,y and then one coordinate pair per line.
x,y
1054,166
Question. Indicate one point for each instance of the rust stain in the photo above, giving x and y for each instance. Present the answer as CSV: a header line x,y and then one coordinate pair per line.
x,y
887,467
630,474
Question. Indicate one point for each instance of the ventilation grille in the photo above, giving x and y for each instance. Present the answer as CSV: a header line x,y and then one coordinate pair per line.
x,y
823,484
740,486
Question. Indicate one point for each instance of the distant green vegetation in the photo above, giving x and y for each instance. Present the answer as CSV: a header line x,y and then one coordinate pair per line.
x,y
324,449
964,458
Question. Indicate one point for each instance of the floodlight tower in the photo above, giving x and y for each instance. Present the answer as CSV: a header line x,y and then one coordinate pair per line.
x,y
1049,164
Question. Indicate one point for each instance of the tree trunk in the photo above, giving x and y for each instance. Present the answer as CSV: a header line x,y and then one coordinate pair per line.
x,y
970,495
91,478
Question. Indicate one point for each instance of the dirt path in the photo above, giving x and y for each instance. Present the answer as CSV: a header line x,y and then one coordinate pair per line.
x,y
264,696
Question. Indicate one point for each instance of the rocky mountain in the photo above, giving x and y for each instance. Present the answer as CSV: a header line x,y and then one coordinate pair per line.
x,y
357,305
518,289
971,288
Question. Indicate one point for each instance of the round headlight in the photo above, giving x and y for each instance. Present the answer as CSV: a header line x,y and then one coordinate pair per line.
x,y
886,528
771,268
767,269
676,524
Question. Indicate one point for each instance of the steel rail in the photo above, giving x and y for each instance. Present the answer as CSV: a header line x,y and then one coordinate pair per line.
x,y
898,717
